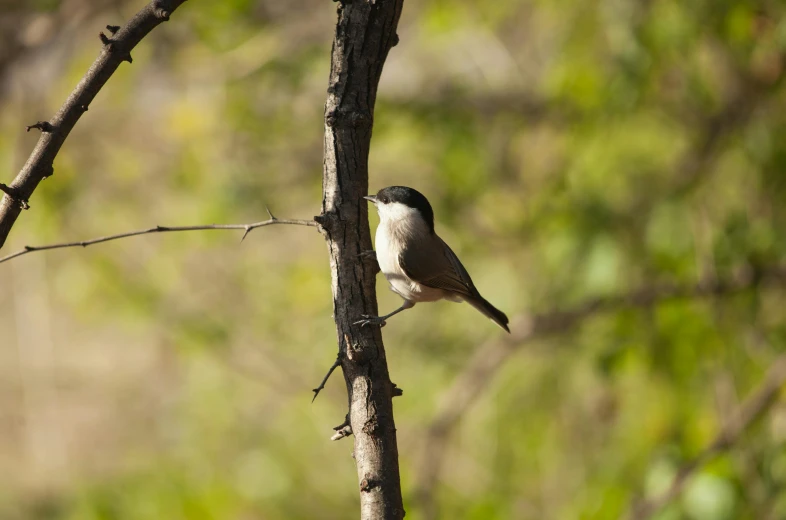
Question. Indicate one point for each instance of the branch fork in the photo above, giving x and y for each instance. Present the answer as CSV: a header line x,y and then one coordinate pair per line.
x,y
13,195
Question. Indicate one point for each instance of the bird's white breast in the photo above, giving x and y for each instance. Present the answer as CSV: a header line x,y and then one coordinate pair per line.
x,y
402,227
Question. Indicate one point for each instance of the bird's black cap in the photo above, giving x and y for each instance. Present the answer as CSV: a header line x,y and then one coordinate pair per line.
x,y
409,197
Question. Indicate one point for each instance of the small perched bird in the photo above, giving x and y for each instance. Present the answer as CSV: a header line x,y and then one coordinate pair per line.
x,y
419,265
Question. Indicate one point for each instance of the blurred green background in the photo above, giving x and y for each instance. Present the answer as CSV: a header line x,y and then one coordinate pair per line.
x,y
571,149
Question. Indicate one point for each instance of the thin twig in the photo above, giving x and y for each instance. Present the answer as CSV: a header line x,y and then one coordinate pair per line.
x,y
746,414
480,370
114,51
336,364
159,229
342,430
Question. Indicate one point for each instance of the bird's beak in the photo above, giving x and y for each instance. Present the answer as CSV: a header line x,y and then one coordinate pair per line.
x,y
371,198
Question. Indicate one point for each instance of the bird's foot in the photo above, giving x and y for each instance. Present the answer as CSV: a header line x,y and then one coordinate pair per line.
x,y
370,320
368,254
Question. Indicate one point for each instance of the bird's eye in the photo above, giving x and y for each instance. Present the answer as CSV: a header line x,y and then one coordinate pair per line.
x,y
384,200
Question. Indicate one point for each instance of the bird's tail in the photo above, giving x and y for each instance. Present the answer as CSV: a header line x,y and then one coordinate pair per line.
x,y
494,314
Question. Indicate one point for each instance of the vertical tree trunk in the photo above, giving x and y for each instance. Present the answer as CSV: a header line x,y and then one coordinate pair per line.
x,y
365,32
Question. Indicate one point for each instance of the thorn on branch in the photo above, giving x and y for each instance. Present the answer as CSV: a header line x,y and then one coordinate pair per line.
x,y
342,430
321,386
342,425
113,28
269,213
13,195
346,431
396,391
110,46
83,107
44,126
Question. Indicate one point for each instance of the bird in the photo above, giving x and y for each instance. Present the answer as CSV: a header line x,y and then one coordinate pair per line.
x,y
417,263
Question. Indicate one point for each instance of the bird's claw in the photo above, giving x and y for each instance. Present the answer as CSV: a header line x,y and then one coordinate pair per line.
x,y
368,254
368,319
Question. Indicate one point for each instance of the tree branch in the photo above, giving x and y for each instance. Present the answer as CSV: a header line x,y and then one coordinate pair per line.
x,y
160,229
365,32
743,417
488,359
55,131
335,365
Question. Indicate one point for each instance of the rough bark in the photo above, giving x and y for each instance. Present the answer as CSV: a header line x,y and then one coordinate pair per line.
x,y
365,32
117,48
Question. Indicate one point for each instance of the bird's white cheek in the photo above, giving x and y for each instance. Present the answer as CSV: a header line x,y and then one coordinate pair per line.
x,y
396,212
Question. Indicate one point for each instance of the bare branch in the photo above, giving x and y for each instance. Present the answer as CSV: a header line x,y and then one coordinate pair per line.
x,y
158,229
757,404
55,131
480,370
321,386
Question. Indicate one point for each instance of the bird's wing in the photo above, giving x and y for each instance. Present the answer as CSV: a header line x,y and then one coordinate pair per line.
x,y
437,266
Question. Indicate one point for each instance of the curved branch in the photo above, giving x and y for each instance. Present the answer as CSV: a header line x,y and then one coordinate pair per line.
x,y
116,49
160,229
480,370
743,417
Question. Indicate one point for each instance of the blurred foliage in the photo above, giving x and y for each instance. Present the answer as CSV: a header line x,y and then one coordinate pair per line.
x,y
571,150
